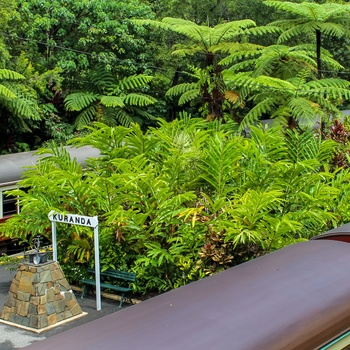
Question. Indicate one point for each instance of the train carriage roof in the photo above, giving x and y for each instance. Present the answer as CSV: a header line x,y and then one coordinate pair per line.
x,y
11,165
295,298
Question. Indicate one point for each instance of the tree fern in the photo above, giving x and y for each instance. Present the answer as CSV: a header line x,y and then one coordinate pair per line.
x,y
208,41
329,19
110,100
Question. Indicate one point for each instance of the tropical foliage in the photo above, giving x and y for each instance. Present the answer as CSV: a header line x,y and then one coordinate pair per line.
x,y
180,200
186,199
111,101
330,19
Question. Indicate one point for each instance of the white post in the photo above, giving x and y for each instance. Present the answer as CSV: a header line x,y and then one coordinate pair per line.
x,y
97,270
54,241
74,219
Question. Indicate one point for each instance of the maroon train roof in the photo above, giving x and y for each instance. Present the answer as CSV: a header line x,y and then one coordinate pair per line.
x,y
341,233
295,298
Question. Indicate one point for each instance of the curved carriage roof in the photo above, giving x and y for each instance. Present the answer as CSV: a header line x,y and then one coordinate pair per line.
x,y
341,233
11,165
295,298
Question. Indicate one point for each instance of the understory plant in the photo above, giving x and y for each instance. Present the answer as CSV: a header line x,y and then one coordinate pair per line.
x,y
186,199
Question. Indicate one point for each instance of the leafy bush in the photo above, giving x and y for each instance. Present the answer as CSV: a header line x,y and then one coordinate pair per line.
x,y
186,199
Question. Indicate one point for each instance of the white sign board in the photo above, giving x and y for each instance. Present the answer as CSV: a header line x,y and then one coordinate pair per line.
x,y
89,221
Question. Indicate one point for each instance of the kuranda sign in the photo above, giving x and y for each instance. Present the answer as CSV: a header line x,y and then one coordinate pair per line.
x,y
73,219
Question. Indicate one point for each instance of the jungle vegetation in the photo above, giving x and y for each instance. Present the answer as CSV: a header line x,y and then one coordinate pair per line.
x,y
189,181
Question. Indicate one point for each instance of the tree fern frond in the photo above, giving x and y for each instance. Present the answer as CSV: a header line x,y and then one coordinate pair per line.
x,y
85,118
80,100
329,82
333,29
188,96
112,101
182,51
122,117
137,113
181,89
101,79
302,110
237,49
262,30
241,66
134,99
231,96
5,92
135,81
291,32
238,56
24,108
9,74
257,111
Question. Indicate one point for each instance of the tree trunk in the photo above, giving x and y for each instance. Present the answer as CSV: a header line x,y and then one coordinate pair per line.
x,y
318,53
212,96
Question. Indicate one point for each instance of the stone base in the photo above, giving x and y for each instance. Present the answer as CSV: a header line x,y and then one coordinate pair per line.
x,y
40,297
42,329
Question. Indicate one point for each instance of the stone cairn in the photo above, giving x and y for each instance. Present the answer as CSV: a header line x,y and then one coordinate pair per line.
x,y
40,297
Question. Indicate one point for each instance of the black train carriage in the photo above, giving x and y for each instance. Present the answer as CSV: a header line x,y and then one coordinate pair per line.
x,y
295,298
11,169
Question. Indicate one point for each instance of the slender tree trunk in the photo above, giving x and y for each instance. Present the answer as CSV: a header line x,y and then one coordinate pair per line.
x,y
212,96
318,53
172,110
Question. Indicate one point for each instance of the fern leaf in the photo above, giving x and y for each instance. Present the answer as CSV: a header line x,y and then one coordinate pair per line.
x,y
181,89
231,96
85,118
112,101
5,92
9,74
188,96
257,111
135,81
24,108
134,99
122,117
80,100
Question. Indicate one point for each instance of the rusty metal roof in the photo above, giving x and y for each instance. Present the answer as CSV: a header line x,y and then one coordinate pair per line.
x,y
294,298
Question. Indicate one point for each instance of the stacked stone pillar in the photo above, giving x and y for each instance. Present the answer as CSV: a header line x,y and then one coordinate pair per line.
x,y
40,297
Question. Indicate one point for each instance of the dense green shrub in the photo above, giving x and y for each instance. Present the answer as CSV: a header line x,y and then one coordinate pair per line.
x,y
186,199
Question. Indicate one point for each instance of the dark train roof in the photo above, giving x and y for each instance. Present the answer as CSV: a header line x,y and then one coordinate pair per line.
x,y
341,233
295,298
11,165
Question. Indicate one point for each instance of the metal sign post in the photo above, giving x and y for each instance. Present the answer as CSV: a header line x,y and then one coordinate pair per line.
x,y
89,221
